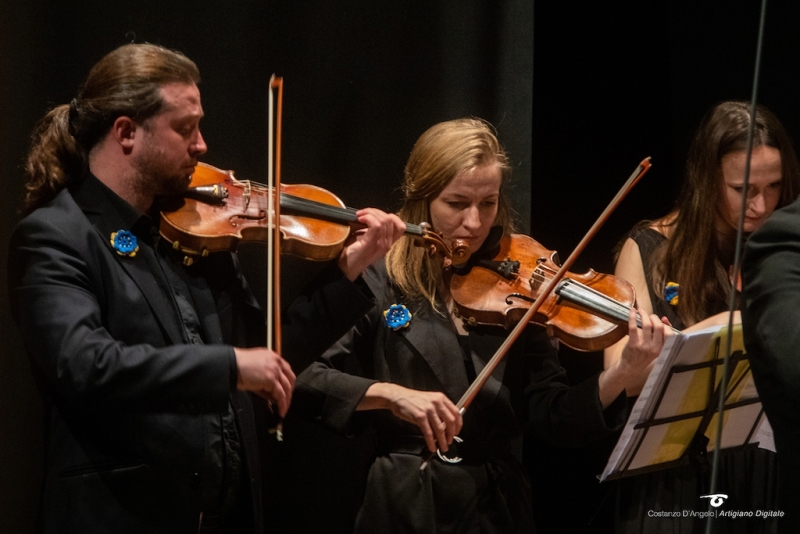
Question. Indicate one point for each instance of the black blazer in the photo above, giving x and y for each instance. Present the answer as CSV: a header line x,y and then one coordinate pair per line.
x,y
126,396
770,318
529,386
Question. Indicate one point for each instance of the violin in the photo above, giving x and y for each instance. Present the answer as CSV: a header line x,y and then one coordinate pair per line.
x,y
218,211
587,312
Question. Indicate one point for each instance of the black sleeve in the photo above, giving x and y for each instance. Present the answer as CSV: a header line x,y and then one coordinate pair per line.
x,y
565,415
770,312
330,389
323,313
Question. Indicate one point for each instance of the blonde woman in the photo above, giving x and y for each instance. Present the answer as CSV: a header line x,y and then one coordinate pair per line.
x,y
400,378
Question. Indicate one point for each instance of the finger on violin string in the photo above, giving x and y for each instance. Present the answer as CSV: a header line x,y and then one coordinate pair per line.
x,y
634,323
649,321
389,226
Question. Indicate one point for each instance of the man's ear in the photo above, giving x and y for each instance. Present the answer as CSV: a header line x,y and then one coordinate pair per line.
x,y
124,131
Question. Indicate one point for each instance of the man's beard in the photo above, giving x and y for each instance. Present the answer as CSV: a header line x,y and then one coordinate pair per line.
x,y
152,181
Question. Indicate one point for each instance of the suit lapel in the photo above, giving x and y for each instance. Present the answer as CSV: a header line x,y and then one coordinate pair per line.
x,y
436,341
147,274
143,269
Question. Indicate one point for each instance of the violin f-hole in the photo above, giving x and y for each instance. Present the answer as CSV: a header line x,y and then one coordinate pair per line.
x,y
245,217
518,296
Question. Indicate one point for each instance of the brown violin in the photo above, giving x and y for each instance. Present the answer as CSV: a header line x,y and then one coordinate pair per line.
x,y
587,312
218,211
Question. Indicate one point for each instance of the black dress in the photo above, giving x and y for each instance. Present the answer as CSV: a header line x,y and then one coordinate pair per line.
x,y
748,477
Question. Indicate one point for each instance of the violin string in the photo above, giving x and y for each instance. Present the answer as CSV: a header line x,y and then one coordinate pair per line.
x,y
313,207
612,302
612,307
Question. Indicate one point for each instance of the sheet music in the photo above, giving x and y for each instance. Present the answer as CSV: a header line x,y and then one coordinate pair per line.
x,y
684,395
764,435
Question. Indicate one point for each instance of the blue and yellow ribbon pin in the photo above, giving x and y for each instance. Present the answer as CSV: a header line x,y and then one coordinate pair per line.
x,y
671,293
125,243
397,316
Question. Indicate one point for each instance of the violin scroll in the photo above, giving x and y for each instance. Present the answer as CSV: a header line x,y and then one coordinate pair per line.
x,y
458,252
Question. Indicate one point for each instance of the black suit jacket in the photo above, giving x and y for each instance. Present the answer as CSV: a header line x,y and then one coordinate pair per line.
x,y
770,319
528,386
126,395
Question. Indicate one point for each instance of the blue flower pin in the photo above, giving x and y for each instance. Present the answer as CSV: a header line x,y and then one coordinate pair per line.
x,y
124,243
671,293
397,316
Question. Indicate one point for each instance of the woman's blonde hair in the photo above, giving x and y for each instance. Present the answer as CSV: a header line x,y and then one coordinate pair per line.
x,y
440,154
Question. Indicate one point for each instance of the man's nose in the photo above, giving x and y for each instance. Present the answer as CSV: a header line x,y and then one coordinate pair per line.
x,y
199,147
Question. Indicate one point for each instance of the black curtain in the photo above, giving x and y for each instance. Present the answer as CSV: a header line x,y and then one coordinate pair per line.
x,y
615,82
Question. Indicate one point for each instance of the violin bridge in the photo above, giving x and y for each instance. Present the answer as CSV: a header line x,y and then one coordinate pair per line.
x,y
537,278
246,195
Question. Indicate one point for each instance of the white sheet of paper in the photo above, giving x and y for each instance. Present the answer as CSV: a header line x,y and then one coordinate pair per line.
x,y
639,448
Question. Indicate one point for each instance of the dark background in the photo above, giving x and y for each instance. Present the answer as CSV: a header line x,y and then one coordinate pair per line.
x,y
579,92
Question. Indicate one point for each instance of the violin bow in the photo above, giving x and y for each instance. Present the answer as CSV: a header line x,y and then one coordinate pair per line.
x,y
273,301
471,392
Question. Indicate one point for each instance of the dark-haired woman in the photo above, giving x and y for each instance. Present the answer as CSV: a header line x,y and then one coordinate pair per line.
x,y
680,266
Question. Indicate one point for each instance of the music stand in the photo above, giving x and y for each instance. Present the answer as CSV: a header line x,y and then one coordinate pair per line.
x,y
674,420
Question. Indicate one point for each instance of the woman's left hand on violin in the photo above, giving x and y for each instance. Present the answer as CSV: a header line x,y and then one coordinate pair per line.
x,y
645,343
642,348
366,245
